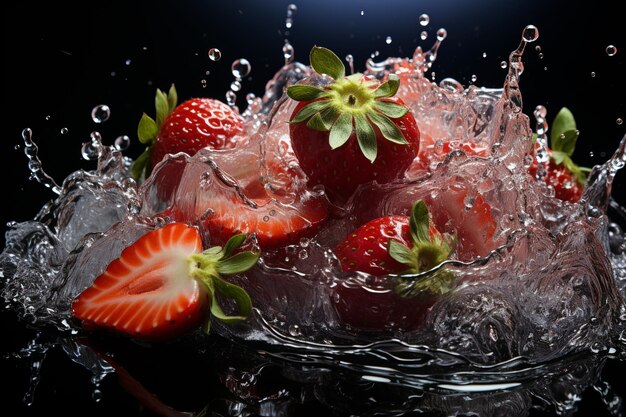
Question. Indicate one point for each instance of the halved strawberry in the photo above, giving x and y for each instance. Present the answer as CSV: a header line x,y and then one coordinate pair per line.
x,y
162,285
393,245
559,171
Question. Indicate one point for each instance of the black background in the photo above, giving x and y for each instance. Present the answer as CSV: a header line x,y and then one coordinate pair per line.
x,y
60,59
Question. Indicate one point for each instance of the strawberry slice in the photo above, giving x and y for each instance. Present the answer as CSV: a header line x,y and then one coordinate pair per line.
x,y
161,286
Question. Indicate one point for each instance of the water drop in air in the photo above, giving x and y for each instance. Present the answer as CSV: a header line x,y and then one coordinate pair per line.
x,y
619,121
235,86
288,52
424,19
474,78
215,54
350,61
593,74
64,130
101,113
388,40
503,64
240,68
48,117
128,62
122,142
362,12
484,54
423,35
531,33
611,50
442,34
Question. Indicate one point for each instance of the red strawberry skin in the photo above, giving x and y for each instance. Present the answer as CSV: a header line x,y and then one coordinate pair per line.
x,y
365,250
343,169
147,292
196,124
566,186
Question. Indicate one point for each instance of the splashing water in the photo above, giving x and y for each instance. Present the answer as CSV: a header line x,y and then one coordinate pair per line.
x,y
549,282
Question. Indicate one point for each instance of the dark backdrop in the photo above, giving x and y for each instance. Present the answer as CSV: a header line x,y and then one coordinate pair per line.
x,y
60,59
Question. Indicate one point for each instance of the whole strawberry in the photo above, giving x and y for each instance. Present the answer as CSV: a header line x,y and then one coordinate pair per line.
x,y
559,171
393,245
189,127
352,131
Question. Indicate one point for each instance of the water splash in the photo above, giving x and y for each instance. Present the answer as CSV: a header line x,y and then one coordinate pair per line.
x,y
31,150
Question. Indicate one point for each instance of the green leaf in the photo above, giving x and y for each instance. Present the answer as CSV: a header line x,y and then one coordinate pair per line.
x,y
420,223
162,107
238,263
388,88
533,138
388,128
233,243
390,109
206,325
563,122
401,253
366,137
305,92
309,110
140,168
439,282
317,123
566,142
172,99
341,130
324,61
232,291
558,157
147,130
213,251
329,115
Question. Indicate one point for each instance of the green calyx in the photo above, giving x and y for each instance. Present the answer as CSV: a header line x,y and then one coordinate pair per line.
x,y
148,129
563,139
349,104
428,251
208,267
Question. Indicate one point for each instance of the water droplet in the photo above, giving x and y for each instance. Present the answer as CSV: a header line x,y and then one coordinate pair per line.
x,y
235,86
362,12
203,82
388,40
292,8
250,98
611,50
215,54
530,33
240,68
442,34
64,130
619,121
503,64
17,147
122,142
288,52
593,74
288,22
474,78
423,35
231,97
101,113
207,72
350,61
484,54
128,62
303,254
48,117
96,395
294,330
540,111
424,19
538,48
540,55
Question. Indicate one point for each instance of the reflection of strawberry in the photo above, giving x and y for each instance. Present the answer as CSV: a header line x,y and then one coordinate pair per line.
x,y
567,178
393,244
352,131
162,285
189,127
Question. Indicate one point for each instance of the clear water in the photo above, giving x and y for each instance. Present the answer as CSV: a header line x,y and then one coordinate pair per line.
x,y
547,289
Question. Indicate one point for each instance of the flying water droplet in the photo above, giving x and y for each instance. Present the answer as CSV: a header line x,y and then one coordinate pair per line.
x,y
362,12
611,50
442,34
423,35
240,68
484,54
122,142
388,40
619,121
203,82
215,54
64,130
231,97
424,19
474,78
101,113
48,117
531,33
235,86
350,61
250,98
128,62
593,74
288,52
503,65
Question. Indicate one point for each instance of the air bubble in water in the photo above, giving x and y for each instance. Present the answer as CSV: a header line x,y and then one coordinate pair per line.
x,y
122,142
442,34
64,130
531,33
294,330
240,68
619,121
611,50
101,113
388,40
423,35
215,54
424,19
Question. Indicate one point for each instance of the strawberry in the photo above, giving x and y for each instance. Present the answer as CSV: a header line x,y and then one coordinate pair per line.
x,y
559,171
433,152
393,245
276,223
195,124
162,285
352,131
